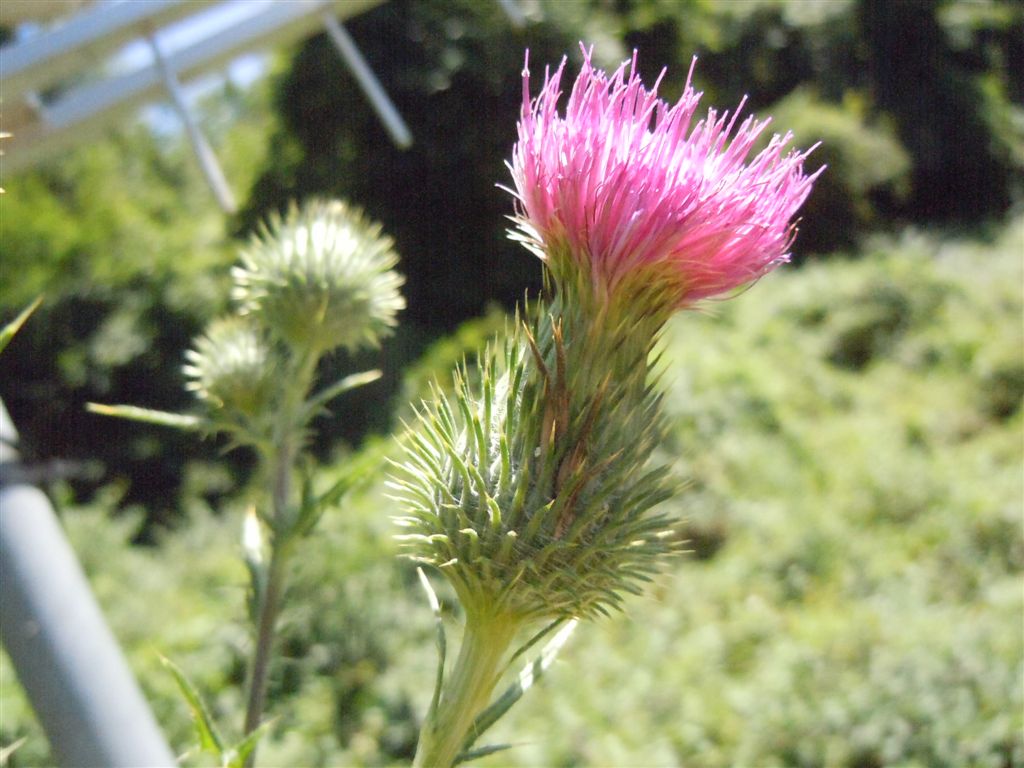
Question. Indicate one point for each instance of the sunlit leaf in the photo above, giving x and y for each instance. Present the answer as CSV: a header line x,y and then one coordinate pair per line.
x,y
8,331
148,415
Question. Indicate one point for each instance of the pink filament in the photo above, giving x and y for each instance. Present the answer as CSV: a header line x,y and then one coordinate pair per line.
x,y
622,181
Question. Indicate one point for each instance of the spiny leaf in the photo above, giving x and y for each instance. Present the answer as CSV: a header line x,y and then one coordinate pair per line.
x,y
10,749
530,674
442,641
344,385
253,557
548,629
206,730
473,754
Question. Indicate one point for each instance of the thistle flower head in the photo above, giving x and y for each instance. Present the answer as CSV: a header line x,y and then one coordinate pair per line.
x,y
321,277
230,367
624,193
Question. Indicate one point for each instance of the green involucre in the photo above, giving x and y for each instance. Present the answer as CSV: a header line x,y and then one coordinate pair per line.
x,y
321,277
529,486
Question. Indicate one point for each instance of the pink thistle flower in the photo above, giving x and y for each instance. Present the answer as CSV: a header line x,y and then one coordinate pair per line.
x,y
623,191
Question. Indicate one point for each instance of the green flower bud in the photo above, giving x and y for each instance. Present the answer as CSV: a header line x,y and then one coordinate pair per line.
x,y
230,367
531,489
321,277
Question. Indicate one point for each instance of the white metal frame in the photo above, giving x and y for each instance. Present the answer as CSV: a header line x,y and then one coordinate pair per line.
x,y
41,128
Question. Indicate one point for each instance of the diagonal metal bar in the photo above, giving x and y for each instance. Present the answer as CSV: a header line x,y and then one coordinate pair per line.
x,y
374,91
200,146
86,110
90,35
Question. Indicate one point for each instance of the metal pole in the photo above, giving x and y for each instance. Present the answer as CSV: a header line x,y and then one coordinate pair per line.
x,y
374,91
204,154
83,111
65,656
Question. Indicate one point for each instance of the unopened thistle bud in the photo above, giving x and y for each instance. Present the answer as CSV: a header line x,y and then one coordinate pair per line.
x,y
321,277
230,367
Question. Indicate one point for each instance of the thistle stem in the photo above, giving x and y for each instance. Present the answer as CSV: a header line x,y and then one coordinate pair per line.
x,y
468,689
287,438
268,610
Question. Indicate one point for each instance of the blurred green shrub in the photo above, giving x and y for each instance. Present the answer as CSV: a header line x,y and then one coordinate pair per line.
x,y
125,268
121,237
860,604
868,170
852,431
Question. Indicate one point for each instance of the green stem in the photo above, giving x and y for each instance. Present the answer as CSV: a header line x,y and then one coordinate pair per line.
x,y
286,445
468,689
264,643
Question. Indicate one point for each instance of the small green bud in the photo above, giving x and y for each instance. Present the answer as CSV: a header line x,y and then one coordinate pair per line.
x,y
231,368
321,277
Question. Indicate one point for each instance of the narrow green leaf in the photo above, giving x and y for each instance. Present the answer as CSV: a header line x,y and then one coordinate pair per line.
x,y
10,749
547,630
442,642
530,674
473,754
327,394
336,492
253,556
237,755
313,507
8,331
148,415
206,730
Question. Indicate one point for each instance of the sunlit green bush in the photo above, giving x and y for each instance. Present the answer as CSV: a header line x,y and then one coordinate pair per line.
x,y
857,597
120,239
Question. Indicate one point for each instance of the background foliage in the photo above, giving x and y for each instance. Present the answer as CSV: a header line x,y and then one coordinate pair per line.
x,y
852,431
852,427
133,270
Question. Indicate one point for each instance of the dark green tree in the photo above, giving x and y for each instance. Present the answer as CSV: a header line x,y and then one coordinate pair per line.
x,y
962,169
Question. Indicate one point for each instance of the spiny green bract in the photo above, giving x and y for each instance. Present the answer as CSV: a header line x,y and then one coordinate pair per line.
x,y
321,277
529,488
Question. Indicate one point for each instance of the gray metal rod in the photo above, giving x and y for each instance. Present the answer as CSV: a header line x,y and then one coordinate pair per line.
x,y
91,34
205,156
66,658
85,110
399,132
